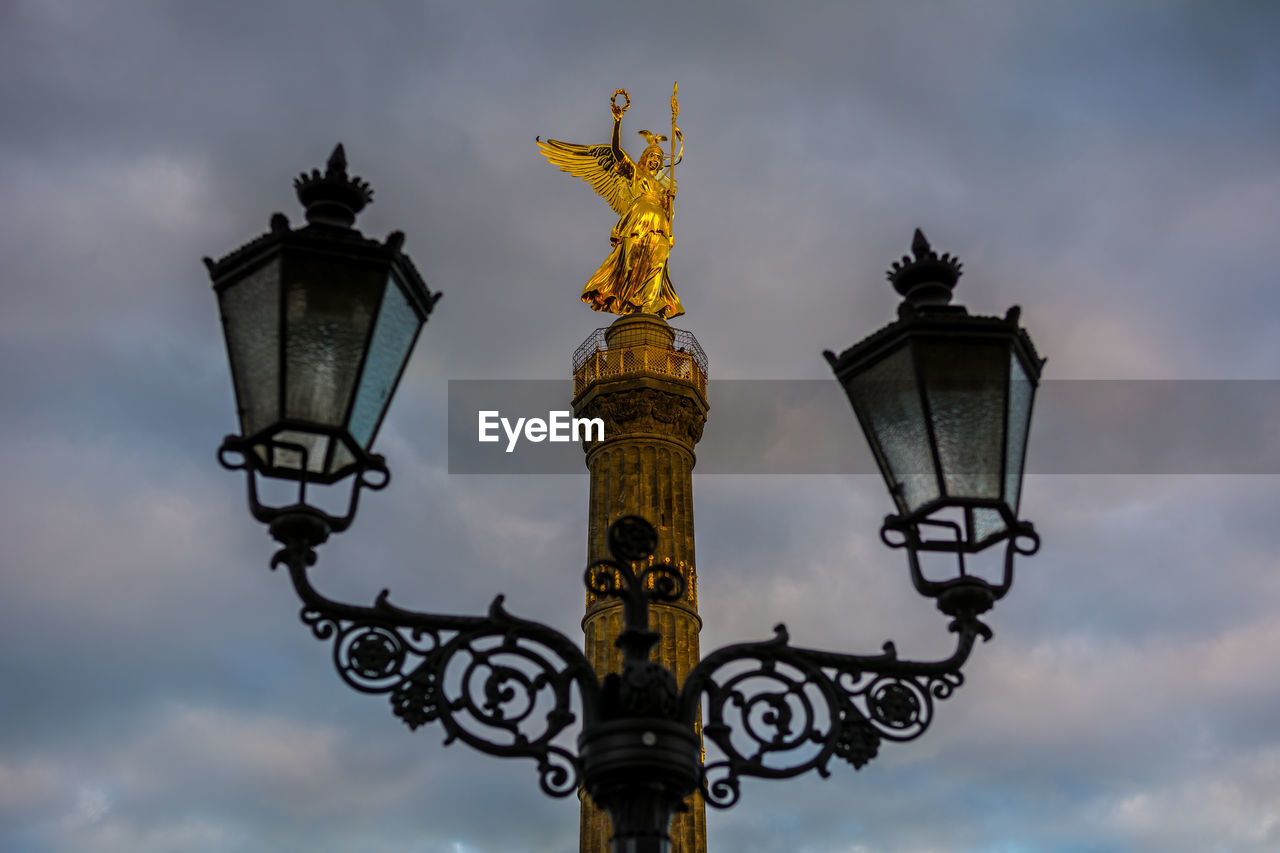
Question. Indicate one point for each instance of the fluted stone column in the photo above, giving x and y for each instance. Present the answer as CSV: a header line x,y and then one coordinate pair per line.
x,y
647,382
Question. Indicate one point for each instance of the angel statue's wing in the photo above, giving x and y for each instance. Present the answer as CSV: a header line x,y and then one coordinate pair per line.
x,y
598,166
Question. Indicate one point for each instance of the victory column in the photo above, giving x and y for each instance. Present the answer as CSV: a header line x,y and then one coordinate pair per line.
x,y
648,382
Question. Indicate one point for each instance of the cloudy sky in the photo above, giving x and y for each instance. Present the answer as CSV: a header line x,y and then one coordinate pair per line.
x,y
1112,167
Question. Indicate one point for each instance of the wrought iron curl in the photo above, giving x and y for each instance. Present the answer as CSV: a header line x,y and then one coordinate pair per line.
x,y
664,582
322,626
765,719
604,578
720,787
1024,530
558,772
494,691
944,685
661,582
374,477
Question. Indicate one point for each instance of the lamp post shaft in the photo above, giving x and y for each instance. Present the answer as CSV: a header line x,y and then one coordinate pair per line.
x,y
640,770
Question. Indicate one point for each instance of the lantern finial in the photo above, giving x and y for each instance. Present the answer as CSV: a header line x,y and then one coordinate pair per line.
x,y
927,279
333,198
338,164
919,243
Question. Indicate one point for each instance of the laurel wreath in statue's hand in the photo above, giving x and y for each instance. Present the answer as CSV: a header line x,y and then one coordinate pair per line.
x,y
613,103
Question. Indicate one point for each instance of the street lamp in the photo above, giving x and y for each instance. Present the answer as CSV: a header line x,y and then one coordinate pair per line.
x,y
944,399
319,323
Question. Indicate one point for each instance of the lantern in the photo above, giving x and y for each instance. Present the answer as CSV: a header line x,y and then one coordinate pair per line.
x,y
319,324
944,399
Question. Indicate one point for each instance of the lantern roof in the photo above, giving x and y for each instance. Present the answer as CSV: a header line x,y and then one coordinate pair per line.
x,y
332,200
926,284
953,320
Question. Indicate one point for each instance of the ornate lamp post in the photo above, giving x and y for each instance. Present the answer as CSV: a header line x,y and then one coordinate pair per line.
x,y
319,323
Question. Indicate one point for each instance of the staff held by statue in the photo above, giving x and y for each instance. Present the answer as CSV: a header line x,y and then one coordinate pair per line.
x,y
675,131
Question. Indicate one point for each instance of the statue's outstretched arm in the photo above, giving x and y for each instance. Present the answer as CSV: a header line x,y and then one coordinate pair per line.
x,y
619,155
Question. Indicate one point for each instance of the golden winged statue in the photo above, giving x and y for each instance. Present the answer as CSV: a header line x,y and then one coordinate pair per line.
x,y
634,278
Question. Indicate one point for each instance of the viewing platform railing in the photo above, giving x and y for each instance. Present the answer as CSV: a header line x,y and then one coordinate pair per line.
x,y
683,360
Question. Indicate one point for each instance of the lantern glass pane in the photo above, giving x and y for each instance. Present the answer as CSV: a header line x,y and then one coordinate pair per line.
x,y
341,457
393,336
329,309
251,321
291,447
965,384
986,523
888,400
1021,395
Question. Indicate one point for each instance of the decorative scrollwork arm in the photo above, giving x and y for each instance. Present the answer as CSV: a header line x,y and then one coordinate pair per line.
x,y
776,711
499,683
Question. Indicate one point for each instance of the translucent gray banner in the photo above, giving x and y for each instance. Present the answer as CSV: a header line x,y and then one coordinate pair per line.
x,y
808,427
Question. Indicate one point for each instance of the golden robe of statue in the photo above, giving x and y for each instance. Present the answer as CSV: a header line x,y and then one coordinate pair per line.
x,y
634,278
